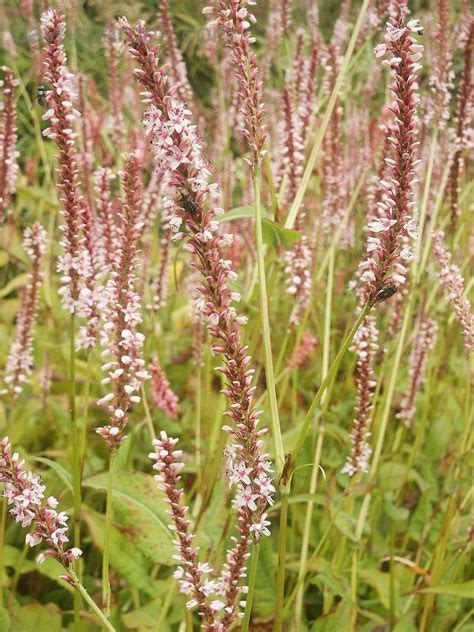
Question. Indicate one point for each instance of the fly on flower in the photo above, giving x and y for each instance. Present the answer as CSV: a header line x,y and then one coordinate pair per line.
x,y
188,204
388,290
41,92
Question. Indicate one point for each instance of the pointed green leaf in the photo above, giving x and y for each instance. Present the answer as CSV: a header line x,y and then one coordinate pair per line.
x,y
140,513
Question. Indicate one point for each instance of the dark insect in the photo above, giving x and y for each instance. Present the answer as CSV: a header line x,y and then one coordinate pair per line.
x,y
41,95
188,204
385,292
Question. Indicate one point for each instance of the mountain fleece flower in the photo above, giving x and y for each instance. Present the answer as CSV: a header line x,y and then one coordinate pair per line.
x,y
388,246
178,151
235,19
120,338
8,138
161,392
453,285
422,343
20,358
75,264
25,493
365,346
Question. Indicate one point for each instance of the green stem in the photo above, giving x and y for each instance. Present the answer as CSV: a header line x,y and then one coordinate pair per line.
x,y
280,583
269,374
308,172
76,456
108,524
332,371
252,580
148,418
88,599
319,447
2,545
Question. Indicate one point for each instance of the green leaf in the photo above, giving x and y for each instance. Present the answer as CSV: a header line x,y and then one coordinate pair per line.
x,y
125,556
3,258
264,602
345,523
12,557
337,621
379,581
36,617
273,234
242,212
464,590
62,473
140,513
16,283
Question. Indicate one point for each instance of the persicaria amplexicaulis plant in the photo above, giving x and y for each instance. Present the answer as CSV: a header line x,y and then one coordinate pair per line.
x,y
388,247
151,282
25,493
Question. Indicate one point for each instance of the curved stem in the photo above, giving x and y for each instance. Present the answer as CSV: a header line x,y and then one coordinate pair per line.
x,y
88,599
332,371
108,524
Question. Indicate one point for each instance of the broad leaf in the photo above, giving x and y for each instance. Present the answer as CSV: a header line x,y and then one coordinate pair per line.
x,y
140,513
336,621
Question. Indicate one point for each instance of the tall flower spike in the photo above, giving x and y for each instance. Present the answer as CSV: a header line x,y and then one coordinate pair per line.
x,y
177,66
388,246
74,264
23,490
365,346
453,285
178,150
192,575
464,105
20,359
235,19
422,343
8,137
161,392
122,341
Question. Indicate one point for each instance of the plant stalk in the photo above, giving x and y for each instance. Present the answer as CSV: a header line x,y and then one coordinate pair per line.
x,y
108,525
251,592
269,373
88,599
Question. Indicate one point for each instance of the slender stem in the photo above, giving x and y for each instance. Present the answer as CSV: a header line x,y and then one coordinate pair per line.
x,y
3,523
354,591
319,446
308,172
88,599
76,456
280,583
269,374
85,414
332,371
148,418
252,580
108,524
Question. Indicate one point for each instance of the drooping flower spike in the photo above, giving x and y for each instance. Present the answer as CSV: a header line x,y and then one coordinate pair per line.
x,y
25,493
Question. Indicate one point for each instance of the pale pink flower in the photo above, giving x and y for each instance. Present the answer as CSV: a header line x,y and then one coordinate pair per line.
x,y
25,493
161,392
20,358
453,285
